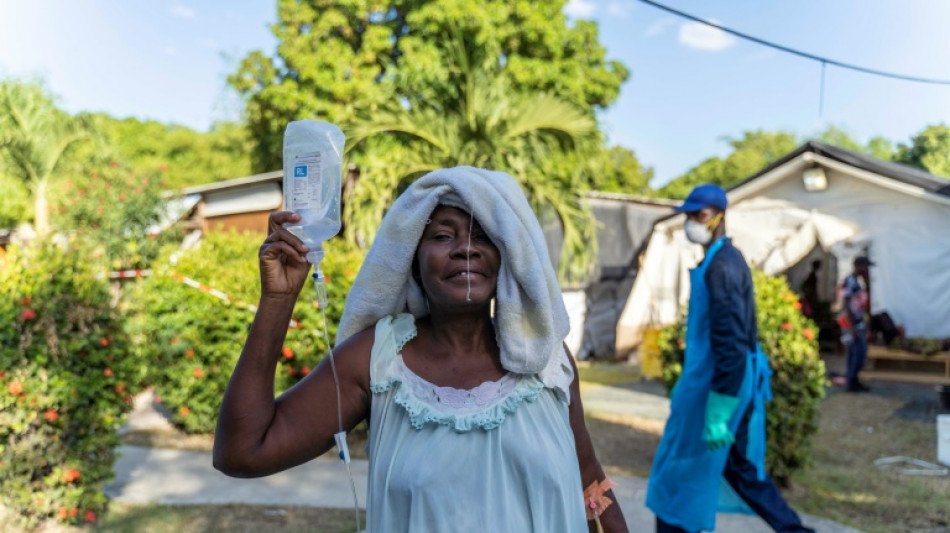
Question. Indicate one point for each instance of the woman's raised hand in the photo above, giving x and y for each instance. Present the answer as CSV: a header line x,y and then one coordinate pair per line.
x,y
284,266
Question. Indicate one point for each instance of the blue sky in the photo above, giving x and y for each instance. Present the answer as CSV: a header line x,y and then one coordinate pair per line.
x,y
690,86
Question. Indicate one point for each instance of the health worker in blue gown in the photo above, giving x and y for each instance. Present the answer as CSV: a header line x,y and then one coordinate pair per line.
x,y
716,429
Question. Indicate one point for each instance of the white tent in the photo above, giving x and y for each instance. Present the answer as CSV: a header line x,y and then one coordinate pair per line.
x,y
898,215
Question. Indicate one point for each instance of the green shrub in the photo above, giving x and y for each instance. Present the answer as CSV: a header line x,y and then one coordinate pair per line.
x,y
114,210
192,339
790,341
65,385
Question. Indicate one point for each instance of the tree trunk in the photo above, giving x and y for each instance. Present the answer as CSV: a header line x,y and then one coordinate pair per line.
x,y
41,208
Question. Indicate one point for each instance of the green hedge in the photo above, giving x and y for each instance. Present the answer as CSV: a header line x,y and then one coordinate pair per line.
x,y
798,380
192,339
114,211
65,385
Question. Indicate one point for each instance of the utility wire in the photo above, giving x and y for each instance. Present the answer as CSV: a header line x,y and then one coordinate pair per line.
x,y
823,60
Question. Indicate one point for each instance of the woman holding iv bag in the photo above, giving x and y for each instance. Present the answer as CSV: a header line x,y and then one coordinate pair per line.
x,y
451,345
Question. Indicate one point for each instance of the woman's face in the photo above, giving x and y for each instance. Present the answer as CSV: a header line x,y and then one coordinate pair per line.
x,y
446,266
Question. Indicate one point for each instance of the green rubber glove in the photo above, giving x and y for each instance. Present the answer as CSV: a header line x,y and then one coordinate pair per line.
x,y
719,409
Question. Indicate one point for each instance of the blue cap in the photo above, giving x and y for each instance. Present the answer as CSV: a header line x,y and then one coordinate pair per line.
x,y
706,195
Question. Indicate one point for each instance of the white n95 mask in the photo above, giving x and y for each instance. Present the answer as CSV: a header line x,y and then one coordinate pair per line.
x,y
697,232
701,232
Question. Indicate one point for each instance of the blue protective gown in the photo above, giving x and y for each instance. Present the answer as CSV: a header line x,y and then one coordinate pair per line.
x,y
684,486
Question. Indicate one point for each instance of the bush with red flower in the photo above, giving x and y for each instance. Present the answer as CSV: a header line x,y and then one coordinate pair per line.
x,y
192,339
59,407
117,212
798,380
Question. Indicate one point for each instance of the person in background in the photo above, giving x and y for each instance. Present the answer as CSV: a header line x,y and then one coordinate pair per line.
x,y
855,303
716,428
810,291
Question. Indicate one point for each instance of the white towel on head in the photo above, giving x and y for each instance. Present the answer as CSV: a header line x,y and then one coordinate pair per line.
x,y
530,318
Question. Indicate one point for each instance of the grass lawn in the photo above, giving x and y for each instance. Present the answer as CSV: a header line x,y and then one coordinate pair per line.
x,y
230,518
844,485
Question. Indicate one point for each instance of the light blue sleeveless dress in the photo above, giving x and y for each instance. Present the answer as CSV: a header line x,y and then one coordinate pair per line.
x,y
499,457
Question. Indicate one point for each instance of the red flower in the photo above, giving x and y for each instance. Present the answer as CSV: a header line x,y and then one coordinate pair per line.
x,y
69,476
292,371
305,370
176,339
27,314
63,513
184,411
199,373
15,388
808,334
51,415
287,353
3,375
103,342
189,353
26,300
797,305
787,326
73,512
90,516
107,372
120,387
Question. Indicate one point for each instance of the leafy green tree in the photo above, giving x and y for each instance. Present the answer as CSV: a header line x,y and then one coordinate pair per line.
x,y
929,150
182,156
35,137
841,138
750,154
338,59
15,206
881,148
617,169
488,124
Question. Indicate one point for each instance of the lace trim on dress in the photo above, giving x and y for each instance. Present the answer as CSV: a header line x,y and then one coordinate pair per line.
x,y
485,406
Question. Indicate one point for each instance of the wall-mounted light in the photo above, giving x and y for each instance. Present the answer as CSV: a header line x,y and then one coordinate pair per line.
x,y
814,179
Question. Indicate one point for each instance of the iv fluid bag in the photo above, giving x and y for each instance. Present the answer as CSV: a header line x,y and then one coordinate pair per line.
x,y
313,167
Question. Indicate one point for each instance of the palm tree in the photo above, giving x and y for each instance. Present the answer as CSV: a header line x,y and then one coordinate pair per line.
x,y
481,122
34,136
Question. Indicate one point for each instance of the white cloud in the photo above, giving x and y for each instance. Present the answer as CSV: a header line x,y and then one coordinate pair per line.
x,y
183,11
579,9
619,9
659,26
703,37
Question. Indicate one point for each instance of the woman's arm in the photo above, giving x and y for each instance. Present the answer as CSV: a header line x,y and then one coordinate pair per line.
x,y
612,520
257,435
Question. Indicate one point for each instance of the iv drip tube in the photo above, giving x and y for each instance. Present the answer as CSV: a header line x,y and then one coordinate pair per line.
x,y
339,437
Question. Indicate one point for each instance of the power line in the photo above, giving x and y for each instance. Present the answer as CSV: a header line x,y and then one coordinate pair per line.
x,y
823,60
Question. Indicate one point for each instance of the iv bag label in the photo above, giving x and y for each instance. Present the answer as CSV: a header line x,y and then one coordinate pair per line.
x,y
306,193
